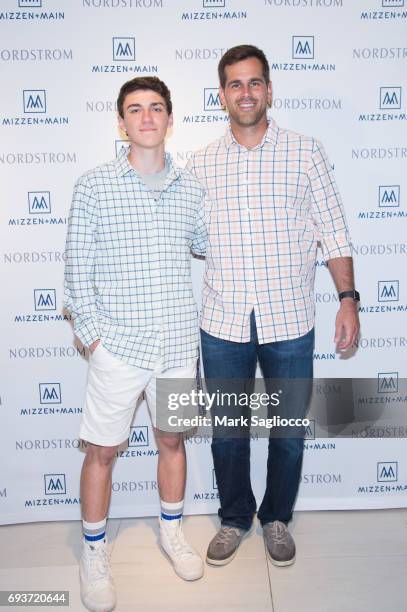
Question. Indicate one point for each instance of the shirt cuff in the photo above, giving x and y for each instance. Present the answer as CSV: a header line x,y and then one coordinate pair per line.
x,y
196,250
87,332
336,245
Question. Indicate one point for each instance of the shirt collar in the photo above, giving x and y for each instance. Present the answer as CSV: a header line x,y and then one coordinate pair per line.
x,y
123,166
271,135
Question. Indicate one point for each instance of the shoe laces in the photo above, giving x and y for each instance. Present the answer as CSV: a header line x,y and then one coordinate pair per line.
x,y
178,543
226,534
99,568
279,531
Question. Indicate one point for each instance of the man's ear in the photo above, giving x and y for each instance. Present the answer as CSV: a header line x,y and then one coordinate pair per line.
x,y
270,93
120,121
222,97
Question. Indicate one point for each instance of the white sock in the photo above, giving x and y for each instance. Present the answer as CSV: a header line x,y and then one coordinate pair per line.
x,y
171,512
94,533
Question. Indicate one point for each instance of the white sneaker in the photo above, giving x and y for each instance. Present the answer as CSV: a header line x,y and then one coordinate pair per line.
x,y
185,560
97,588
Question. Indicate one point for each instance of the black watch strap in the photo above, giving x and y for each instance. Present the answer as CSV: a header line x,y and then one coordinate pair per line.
x,y
351,294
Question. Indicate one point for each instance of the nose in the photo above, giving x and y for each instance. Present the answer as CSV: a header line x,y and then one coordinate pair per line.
x,y
245,91
146,116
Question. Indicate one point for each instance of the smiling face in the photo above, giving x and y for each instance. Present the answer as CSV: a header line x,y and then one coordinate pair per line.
x,y
246,93
145,119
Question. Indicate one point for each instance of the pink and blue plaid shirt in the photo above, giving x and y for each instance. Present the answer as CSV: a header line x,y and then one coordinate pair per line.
x,y
269,207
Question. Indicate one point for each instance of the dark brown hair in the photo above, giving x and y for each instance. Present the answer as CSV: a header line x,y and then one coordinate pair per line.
x,y
239,53
144,83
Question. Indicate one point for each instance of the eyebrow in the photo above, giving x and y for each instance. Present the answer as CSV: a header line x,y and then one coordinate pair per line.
x,y
136,105
250,80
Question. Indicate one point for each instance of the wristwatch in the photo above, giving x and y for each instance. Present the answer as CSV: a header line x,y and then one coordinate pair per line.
x,y
351,294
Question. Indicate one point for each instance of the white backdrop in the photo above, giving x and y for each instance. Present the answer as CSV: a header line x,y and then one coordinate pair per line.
x,y
339,73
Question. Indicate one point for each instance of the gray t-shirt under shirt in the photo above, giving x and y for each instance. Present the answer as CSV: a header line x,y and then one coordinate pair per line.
x,y
155,181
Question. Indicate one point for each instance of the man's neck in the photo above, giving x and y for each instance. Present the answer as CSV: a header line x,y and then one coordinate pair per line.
x,y
147,161
249,136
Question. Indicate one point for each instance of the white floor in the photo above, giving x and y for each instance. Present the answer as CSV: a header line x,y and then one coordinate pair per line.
x,y
346,561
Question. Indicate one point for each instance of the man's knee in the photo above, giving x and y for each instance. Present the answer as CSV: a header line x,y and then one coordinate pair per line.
x,y
169,442
231,445
291,448
103,455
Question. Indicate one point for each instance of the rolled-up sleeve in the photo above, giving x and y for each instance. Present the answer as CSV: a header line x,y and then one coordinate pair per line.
x,y
326,207
201,231
79,282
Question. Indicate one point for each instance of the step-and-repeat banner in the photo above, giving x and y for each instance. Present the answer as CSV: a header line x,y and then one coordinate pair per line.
x,y
339,73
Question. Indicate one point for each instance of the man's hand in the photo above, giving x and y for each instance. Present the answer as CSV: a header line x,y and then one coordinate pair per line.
x,y
347,324
93,346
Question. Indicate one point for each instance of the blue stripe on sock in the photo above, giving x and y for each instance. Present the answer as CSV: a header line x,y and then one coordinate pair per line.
x,y
95,538
170,517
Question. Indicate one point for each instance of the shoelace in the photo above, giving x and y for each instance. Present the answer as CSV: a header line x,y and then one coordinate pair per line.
x,y
278,531
179,545
98,566
226,534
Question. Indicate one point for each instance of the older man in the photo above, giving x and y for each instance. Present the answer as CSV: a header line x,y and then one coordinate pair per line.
x,y
273,197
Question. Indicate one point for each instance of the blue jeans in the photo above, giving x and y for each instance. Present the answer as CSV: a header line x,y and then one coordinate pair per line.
x,y
223,359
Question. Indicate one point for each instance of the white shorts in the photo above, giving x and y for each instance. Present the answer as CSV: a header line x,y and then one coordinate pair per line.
x,y
112,392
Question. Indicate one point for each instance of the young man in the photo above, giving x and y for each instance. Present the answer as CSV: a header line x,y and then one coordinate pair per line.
x,y
272,197
132,226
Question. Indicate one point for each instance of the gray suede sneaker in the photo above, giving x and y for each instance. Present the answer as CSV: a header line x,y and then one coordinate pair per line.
x,y
223,547
279,542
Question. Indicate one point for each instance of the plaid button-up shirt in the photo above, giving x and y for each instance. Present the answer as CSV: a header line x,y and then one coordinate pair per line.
x,y
270,205
128,263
